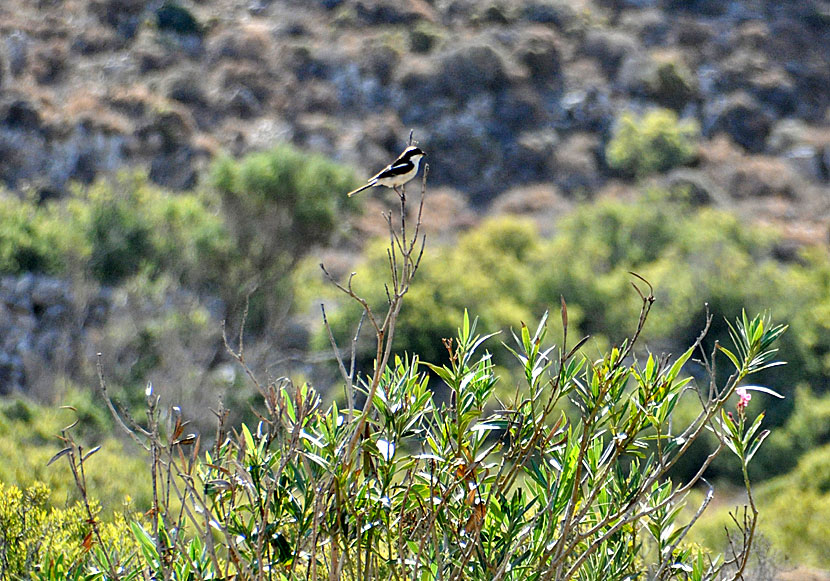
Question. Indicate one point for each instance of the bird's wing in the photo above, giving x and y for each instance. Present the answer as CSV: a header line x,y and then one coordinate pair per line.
x,y
397,168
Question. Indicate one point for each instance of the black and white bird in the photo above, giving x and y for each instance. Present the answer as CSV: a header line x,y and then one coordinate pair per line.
x,y
396,173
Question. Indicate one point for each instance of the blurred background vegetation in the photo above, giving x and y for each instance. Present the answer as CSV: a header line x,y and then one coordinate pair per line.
x,y
570,144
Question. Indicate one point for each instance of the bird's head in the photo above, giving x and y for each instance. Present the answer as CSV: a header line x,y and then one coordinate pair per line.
x,y
413,154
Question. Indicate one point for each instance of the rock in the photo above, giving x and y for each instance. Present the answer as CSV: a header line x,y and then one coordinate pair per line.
x,y
636,73
49,63
764,177
21,115
576,164
742,118
49,292
807,161
472,69
12,375
786,134
166,130
531,159
692,186
560,14
538,51
585,110
17,51
704,7
651,26
123,15
775,88
609,48
517,109
493,13
96,41
250,42
188,89
379,61
175,169
693,33
382,12
242,103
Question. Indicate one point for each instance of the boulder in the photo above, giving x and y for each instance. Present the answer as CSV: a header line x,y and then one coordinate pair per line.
x,y
538,50
609,47
742,118
472,69
20,114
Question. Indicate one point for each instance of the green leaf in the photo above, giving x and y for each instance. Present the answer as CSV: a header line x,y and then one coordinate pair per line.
x,y
731,356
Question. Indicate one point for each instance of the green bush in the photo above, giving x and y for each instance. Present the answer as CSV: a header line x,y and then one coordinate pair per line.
x,y
565,476
654,142
489,270
116,229
133,226
41,541
173,17
696,259
32,238
311,488
278,204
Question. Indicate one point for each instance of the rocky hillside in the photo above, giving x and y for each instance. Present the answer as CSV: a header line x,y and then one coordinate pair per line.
x,y
515,102
500,93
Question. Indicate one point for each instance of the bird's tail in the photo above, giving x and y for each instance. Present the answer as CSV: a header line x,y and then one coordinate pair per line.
x,y
360,189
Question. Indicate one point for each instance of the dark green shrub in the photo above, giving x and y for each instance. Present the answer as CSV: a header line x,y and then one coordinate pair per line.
x,y
120,240
672,84
133,227
278,204
173,17
116,229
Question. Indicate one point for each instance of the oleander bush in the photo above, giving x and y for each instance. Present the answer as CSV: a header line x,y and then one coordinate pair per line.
x,y
567,477
697,258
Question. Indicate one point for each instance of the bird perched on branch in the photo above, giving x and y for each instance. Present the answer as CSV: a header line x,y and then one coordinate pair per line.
x,y
396,173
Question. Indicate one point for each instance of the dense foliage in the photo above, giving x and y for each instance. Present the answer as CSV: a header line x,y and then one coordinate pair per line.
x,y
131,234
114,230
653,142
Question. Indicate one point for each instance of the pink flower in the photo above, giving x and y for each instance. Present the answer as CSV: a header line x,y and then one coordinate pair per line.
x,y
744,396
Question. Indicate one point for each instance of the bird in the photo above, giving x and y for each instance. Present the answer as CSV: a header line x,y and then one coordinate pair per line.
x,y
396,173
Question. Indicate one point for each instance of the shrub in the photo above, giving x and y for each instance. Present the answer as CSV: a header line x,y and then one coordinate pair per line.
x,y
133,226
489,271
115,230
654,142
40,541
672,84
31,239
279,204
30,427
173,17
566,478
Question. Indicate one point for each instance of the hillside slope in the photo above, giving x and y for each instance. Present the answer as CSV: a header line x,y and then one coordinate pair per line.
x,y
499,93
